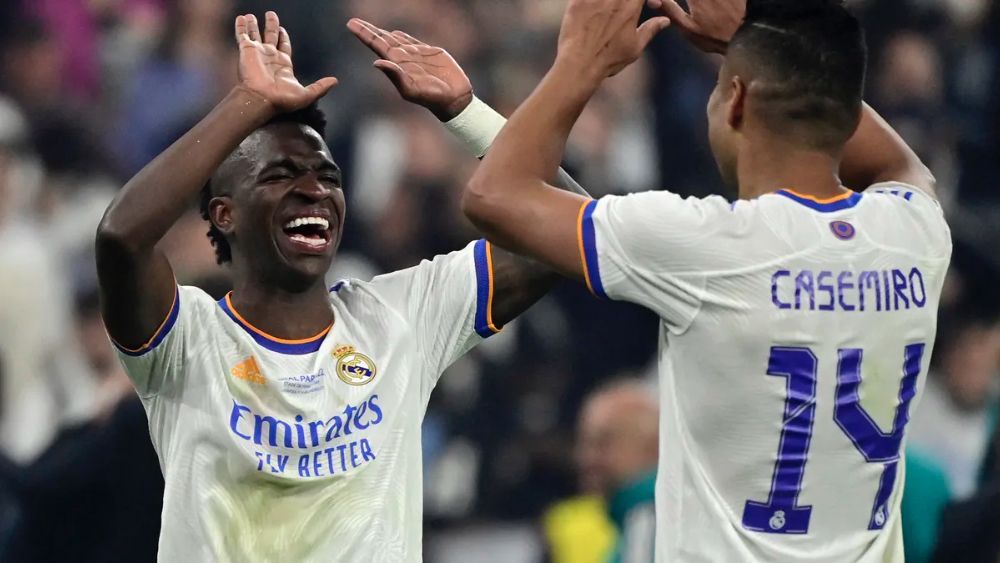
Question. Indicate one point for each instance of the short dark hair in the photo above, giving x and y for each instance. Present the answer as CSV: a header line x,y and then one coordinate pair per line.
x,y
310,116
812,57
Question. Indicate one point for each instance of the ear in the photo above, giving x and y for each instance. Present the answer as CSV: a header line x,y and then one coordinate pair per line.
x,y
736,102
220,212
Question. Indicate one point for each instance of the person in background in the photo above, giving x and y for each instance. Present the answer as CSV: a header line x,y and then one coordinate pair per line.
x,y
616,453
99,481
970,529
957,416
925,496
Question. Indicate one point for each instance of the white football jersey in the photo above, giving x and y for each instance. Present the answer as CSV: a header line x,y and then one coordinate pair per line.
x,y
308,450
795,340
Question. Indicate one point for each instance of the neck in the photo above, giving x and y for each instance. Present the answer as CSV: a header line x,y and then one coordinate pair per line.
x,y
292,315
769,164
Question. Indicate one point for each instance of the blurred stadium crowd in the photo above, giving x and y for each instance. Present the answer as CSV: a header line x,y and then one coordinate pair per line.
x,y
93,89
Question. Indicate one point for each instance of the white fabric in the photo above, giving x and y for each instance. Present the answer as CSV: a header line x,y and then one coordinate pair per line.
x,y
477,126
280,459
707,268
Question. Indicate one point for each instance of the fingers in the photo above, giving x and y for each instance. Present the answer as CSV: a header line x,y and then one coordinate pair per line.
x,y
673,10
406,38
320,88
284,42
253,31
240,28
395,73
271,28
368,34
650,28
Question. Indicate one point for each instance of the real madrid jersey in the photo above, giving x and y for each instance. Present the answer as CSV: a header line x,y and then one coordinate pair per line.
x,y
796,335
305,450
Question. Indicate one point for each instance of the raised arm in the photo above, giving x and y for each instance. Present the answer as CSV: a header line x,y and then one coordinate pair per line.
x,y
429,77
509,197
137,282
876,153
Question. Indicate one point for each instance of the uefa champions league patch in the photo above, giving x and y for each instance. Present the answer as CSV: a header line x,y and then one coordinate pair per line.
x,y
303,384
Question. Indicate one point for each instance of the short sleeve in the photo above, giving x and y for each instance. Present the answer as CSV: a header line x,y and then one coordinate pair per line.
x,y
447,302
657,249
159,363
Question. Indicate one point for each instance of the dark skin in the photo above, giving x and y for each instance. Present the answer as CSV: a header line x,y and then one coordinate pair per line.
x,y
262,176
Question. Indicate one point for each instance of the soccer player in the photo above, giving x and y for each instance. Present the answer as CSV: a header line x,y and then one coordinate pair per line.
x,y
797,322
287,415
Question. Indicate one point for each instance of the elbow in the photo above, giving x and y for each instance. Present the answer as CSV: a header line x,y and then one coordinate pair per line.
x,y
477,203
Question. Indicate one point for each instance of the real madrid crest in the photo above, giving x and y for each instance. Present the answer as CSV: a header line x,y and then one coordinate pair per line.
x,y
353,367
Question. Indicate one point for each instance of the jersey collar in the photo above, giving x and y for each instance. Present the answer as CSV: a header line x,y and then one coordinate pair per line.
x,y
273,343
846,200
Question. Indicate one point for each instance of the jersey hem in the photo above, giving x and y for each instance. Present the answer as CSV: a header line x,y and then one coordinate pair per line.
x,y
587,238
483,256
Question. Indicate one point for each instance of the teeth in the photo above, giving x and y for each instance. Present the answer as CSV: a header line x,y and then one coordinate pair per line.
x,y
316,242
307,221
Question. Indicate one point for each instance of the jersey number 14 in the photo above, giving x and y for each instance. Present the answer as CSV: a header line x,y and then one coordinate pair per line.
x,y
781,513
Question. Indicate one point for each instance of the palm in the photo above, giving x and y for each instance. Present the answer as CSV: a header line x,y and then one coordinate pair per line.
x,y
266,69
423,74
431,75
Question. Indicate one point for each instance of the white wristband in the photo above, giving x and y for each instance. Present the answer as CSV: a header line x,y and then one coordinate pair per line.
x,y
477,126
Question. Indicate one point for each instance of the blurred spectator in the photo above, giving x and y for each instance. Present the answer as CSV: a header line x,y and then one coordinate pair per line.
x,y
925,497
46,383
191,68
99,483
958,411
970,530
617,445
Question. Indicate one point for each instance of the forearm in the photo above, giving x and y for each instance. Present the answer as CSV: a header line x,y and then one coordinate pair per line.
x,y
158,195
535,138
876,153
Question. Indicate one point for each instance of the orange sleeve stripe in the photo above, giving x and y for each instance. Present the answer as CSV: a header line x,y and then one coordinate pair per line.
x,y
579,240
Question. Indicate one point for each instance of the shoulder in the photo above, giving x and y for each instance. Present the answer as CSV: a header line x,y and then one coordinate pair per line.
x,y
195,299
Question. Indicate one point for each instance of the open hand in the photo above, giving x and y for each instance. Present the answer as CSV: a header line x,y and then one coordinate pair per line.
x,y
266,65
423,74
603,36
709,25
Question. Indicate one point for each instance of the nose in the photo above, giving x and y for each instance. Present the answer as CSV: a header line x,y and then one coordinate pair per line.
x,y
310,187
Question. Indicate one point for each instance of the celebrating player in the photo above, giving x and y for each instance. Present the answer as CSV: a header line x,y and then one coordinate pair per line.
x,y
796,322
287,416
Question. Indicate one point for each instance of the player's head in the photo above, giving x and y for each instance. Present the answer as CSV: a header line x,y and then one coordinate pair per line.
x,y
617,436
276,204
794,71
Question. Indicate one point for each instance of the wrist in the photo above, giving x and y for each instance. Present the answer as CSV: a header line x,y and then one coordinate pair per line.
x,y
476,125
257,109
454,109
578,79
578,73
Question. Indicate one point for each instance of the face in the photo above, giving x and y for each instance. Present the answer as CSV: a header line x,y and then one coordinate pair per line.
x,y
284,215
971,365
721,134
614,445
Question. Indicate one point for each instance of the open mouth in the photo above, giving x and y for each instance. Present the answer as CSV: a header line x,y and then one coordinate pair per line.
x,y
311,235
